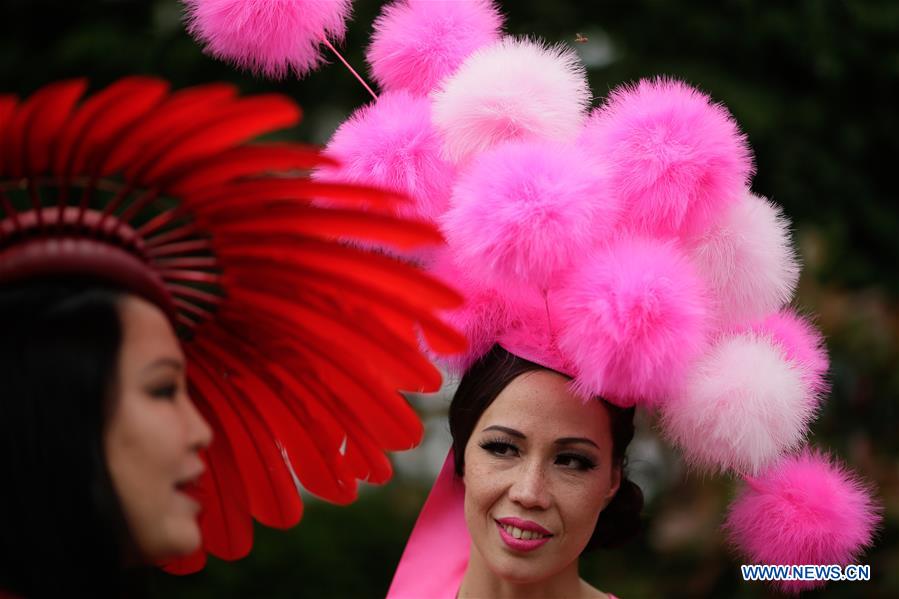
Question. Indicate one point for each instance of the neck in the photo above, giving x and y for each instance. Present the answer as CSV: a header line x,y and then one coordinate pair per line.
x,y
480,581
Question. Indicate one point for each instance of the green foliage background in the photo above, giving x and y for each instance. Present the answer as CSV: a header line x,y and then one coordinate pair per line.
x,y
814,85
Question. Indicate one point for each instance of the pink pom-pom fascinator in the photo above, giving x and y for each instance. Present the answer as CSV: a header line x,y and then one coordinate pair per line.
x,y
620,246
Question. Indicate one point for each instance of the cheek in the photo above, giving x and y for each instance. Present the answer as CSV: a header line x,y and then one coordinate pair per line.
x,y
142,452
145,450
580,505
484,487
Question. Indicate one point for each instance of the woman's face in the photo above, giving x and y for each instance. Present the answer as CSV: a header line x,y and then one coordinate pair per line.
x,y
153,436
538,472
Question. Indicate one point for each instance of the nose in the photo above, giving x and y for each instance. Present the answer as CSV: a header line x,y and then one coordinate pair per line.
x,y
531,486
199,431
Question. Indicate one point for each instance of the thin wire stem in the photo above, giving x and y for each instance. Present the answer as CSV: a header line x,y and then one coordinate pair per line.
x,y
347,65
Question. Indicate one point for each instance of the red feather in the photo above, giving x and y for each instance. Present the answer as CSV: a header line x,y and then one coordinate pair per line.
x,y
326,223
53,104
354,264
15,134
245,161
186,565
370,465
402,364
253,193
225,520
345,377
93,146
394,306
230,125
166,121
274,500
328,480
8,106
87,115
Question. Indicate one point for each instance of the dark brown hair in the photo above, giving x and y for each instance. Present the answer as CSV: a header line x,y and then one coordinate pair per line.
x,y
620,521
63,528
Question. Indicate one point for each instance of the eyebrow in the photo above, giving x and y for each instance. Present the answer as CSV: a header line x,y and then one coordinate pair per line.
x,y
173,362
520,435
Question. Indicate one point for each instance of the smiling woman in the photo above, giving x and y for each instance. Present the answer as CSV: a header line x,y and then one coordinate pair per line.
x,y
544,478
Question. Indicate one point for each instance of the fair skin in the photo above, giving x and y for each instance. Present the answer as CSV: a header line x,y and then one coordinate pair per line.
x,y
540,457
154,435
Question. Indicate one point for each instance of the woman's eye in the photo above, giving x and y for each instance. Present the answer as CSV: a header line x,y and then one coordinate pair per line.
x,y
164,391
500,448
575,461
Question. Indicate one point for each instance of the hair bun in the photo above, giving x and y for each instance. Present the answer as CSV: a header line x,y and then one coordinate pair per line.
x,y
620,521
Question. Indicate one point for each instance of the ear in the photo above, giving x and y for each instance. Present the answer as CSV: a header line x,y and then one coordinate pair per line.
x,y
615,475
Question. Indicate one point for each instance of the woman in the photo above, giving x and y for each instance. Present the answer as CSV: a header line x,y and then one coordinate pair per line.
x,y
135,217
623,247
544,478
101,441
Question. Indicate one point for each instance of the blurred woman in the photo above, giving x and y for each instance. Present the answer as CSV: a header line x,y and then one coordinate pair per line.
x,y
182,331
100,438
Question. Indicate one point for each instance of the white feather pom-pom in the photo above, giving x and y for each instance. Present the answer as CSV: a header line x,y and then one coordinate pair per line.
x,y
748,260
744,405
513,89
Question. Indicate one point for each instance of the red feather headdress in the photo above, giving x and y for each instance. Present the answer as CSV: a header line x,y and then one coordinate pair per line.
x,y
296,343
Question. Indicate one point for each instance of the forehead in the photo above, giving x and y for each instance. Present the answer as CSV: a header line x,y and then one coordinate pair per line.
x,y
540,402
146,331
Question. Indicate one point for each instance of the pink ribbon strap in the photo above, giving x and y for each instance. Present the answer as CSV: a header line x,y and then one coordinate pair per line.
x,y
436,554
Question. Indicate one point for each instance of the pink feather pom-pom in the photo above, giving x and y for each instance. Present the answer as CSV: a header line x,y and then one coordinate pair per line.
x,y
632,319
270,37
743,406
524,211
515,89
416,43
391,143
802,344
482,318
677,159
804,510
748,260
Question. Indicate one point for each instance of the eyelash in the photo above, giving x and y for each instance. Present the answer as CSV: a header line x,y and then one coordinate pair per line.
x,y
167,392
498,448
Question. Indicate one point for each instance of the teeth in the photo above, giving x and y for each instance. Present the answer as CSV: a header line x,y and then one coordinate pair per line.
x,y
526,535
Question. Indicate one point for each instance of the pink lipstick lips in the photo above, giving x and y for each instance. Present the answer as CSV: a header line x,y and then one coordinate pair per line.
x,y
522,535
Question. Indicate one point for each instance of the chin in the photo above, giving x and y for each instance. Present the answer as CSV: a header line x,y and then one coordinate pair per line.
x,y
190,539
183,538
518,570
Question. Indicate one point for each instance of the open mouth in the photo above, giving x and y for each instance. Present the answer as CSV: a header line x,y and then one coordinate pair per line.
x,y
190,487
522,535
519,533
